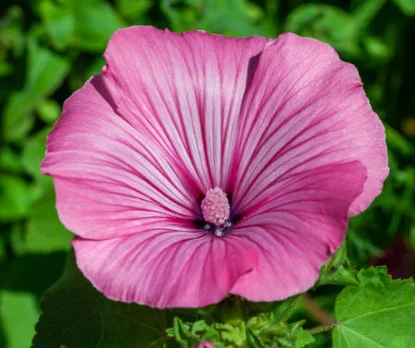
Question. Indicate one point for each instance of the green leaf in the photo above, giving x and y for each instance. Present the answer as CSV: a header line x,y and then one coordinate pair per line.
x,y
32,273
79,23
75,314
377,48
233,17
9,160
34,151
338,271
262,332
18,119
398,142
406,6
326,23
133,8
16,197
95,22
46,71
18,314
375,277
44,232
11,32
59,22
366,12
378,313
48,110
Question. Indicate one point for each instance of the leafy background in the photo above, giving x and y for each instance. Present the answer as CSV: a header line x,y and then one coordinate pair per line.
x,y
49,48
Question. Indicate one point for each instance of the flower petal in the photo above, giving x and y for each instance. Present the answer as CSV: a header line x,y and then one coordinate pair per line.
x,y
305,108
183,92
165,267
109,181
297,230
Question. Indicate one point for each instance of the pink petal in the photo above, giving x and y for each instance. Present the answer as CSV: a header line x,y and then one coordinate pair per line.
x,y
205,344
297,230
164,267
305,108
109,180
184,93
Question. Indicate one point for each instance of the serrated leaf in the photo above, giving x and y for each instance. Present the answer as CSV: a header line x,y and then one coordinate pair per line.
x,y
263,332
337,270
376,277
75,314
377,314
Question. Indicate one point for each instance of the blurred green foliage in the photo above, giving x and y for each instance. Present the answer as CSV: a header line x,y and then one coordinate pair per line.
x,y
49,48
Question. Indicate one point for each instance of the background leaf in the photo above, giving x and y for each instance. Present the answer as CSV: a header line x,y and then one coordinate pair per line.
x,y
75,314
18,315
46,70
16,198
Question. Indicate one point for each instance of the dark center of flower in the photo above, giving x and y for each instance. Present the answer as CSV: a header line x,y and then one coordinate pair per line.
x,y
216,211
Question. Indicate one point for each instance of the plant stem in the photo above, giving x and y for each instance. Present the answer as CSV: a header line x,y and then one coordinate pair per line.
x,y
318,313
322,328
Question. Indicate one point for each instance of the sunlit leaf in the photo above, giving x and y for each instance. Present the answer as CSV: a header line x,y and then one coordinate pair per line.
x,y
378,313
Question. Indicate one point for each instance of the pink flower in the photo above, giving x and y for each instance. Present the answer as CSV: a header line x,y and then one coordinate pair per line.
x,y
205,344
198,165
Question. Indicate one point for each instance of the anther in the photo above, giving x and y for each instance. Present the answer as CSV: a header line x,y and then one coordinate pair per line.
x,y
215,207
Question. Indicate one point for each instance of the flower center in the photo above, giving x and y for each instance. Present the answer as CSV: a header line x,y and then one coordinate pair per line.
x,y
216,210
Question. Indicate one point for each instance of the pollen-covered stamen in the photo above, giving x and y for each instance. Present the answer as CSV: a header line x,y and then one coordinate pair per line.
x,y
215,207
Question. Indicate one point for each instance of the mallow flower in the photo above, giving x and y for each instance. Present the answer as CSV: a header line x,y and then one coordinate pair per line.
x,y
198,165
